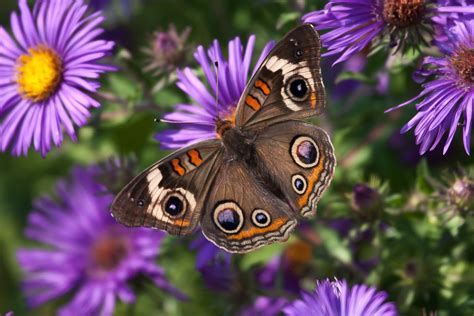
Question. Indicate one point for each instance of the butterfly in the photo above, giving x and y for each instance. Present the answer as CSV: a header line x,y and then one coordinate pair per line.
x,y
265,168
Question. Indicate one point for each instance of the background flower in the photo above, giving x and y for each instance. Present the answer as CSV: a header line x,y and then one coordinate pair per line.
x,y
47,73
88,256
338,299
214,264
267,306
356,24
450,96
167,50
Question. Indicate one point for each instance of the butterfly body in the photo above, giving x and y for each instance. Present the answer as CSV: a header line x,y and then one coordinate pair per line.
x,y
265,168
237,144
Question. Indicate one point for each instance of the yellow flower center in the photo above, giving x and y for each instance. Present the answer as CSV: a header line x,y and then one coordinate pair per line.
x,y
39,73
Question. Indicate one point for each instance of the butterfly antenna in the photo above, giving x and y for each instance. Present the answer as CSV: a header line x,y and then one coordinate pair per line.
x,y
216,67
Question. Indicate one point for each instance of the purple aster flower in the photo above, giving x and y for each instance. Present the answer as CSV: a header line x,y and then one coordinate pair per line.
x,y
356,24
265,306
446,21
214,264
88,255
196,121
48,72
449,96
338,299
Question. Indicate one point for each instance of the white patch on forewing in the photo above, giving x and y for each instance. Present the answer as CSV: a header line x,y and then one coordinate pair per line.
x,y
156,210
154,178
275,64
304,72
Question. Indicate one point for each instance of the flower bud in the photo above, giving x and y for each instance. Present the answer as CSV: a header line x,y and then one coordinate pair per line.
x,y
366,201
167,50
461,194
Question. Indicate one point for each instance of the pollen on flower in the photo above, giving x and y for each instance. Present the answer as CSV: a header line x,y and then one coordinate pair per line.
x,y
463,62
403,13
39,73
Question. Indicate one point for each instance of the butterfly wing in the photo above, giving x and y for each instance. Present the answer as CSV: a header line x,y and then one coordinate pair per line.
x,y
288,84
170,194
300,159
241,214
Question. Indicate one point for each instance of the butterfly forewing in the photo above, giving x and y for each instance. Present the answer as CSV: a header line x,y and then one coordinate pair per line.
x,y
170,194
288,84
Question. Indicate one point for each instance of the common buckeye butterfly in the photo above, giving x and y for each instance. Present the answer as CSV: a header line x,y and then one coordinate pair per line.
x,y
265,168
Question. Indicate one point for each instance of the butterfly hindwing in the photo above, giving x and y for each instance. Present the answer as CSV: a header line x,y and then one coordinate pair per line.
x,y
287,85
170,194
300,158
241,214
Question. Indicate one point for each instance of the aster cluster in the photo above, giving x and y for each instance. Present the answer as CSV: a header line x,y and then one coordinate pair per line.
x,y
446,102
85,253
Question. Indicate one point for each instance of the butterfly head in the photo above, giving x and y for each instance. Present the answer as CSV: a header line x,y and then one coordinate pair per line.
x,y
223,123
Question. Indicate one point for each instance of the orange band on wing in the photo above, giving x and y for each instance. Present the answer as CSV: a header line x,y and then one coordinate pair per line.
x,y
313,100
262,86
313,178
249,233
195,157
252,102
177,167
181,222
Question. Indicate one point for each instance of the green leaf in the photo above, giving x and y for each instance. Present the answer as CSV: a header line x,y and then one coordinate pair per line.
x,y
351,75
286,18
123,87
334,244
261,256
422,174
133,134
